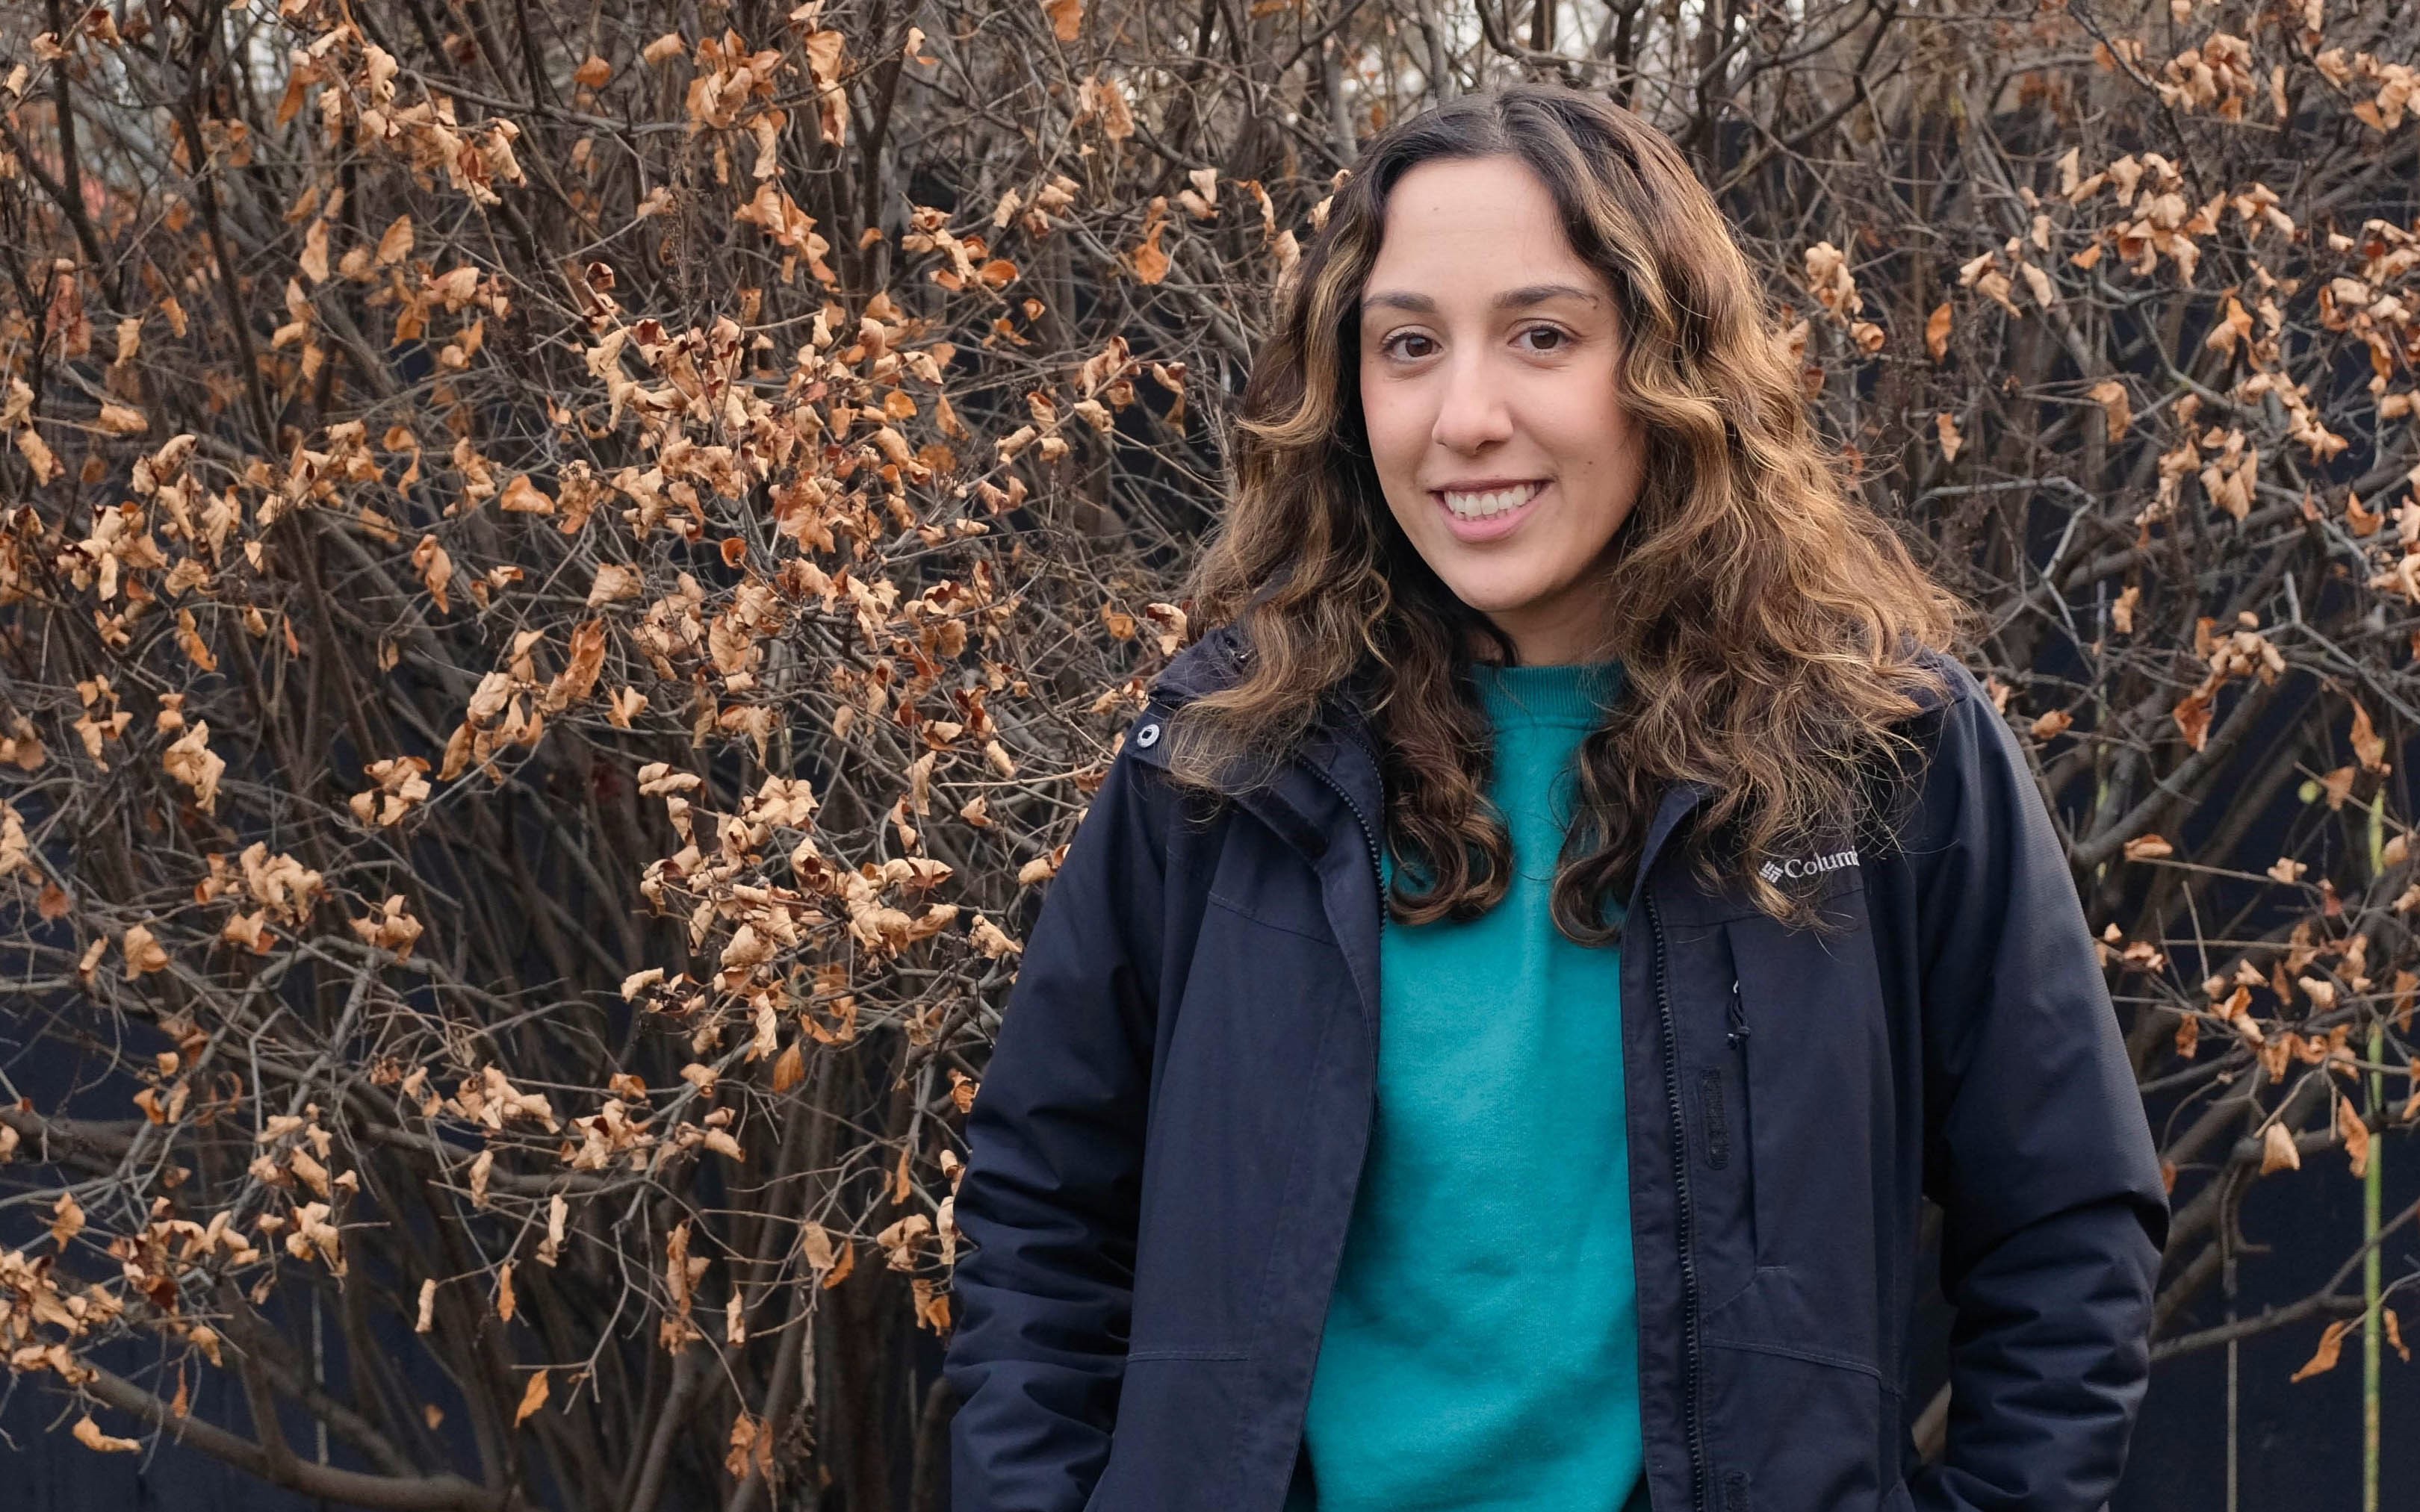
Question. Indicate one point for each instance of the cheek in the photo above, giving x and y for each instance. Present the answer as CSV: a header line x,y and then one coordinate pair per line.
x,y
1582,421
1593,443
1396,427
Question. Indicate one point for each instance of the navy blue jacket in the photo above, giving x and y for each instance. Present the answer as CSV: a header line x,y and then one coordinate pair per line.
x,y
1163,1154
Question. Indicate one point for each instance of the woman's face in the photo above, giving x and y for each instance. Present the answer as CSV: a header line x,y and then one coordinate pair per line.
x,y
1488,389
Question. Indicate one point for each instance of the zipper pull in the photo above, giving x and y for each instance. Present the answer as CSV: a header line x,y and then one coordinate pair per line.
x,y
1739,1030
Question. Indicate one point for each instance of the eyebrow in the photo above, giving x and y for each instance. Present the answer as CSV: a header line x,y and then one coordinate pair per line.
x,y
1512,299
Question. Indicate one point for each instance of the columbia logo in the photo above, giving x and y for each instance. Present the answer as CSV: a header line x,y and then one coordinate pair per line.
x,y
1812,866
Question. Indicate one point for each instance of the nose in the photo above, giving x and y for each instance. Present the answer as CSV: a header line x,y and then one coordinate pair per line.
x,y
1472,412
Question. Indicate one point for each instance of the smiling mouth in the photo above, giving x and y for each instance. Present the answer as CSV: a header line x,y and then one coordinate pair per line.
x,y
1487,503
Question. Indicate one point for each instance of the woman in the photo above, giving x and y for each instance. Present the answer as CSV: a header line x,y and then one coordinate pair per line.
x,y
1488,1040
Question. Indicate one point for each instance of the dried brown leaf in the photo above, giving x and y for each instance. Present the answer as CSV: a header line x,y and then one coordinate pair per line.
x,y
2331,1346
533,1398
88,1433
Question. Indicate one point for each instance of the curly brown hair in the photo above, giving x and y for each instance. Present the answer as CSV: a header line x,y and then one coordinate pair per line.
x,y
1771,629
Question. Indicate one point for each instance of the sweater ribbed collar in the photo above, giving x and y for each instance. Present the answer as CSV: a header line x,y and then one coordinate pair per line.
x,y
1574,695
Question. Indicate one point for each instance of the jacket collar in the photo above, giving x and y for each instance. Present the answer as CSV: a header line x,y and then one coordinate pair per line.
x,y
1679,800
1340,748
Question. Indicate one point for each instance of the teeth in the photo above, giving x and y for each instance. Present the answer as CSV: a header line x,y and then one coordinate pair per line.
x,y
1482,505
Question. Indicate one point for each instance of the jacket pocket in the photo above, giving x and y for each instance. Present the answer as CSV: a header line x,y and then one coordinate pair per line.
x,y
1739,1036
1724,1173
1786,1433
1818,1067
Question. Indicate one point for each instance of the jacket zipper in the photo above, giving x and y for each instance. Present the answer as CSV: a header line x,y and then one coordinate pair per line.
x,y
1378,878
1690,1364
1377,869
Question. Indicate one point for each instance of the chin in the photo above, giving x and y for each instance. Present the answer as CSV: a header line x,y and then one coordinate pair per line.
x,y
1489,599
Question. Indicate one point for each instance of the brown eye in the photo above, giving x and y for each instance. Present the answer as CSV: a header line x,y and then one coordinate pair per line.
x,y
1561,338
1392,346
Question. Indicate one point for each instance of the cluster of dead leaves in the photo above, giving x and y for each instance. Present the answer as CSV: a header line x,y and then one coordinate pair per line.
x,y
2312,976
509,707
2242,651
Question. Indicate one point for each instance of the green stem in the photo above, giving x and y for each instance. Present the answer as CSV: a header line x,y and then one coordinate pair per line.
x,y
2373,1188
2373,1183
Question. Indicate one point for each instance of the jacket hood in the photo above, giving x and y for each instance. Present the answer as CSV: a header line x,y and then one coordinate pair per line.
x,y
1214,661
1218,660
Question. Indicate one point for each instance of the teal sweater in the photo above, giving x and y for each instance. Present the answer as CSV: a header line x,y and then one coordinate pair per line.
x,y
1481,1345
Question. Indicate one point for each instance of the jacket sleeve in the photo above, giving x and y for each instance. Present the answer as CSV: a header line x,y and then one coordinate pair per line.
x,y
2037,1145
1050,1191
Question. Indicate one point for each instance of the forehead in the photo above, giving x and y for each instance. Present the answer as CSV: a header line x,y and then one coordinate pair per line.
x,y
1468,228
